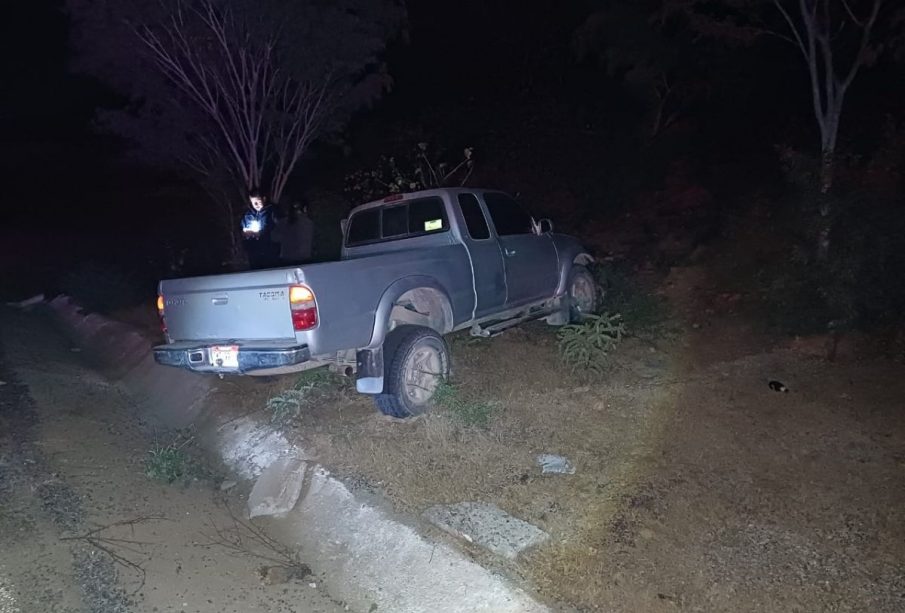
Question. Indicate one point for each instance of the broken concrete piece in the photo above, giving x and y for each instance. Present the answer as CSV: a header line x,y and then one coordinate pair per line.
x,y
277,489
555,464
488,526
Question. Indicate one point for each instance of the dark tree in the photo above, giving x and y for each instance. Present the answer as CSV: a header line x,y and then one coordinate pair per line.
x,y
836,39
641,45
235,90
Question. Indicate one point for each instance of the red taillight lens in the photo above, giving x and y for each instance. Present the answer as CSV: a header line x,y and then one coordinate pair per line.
x,y
304,308
304,319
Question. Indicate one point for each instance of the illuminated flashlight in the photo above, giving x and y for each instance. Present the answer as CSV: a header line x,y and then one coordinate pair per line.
x,y
253,225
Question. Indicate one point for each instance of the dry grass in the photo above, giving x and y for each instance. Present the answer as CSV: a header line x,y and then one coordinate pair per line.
x,y
696,486
602,427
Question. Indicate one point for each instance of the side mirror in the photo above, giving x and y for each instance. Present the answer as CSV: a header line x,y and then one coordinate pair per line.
x,y
343,224
545,226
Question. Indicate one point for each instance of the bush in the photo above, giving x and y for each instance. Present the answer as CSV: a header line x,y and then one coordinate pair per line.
x,y
585,347
312,386
423,169
860,283
642,312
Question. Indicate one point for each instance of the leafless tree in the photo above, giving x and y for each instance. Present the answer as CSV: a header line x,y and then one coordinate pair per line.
x,y
836,39
235,90
264,118
814,27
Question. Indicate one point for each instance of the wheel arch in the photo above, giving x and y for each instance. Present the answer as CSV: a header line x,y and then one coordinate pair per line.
x,y
577,257
417,300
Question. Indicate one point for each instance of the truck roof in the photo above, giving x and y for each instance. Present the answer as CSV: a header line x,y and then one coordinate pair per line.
x,y
401,197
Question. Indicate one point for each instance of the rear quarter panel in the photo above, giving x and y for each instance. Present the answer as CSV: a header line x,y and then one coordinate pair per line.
x,y
349,292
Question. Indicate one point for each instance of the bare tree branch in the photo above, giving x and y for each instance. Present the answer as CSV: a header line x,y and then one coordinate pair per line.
x,y
866,33
264,119
792,27
851,14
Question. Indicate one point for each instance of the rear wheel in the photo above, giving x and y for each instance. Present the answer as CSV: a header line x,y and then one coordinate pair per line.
x,y
417,362
582,293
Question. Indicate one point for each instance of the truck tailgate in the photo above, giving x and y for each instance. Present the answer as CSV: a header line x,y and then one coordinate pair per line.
x,y
249,306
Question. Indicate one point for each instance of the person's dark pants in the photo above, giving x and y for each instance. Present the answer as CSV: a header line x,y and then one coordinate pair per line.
x,y
256,252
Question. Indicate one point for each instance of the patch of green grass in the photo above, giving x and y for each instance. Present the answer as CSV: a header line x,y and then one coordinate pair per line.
x,y
287,406
463,408
585,347
169,463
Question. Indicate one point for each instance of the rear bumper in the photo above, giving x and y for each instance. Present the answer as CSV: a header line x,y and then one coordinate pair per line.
x,y
251,358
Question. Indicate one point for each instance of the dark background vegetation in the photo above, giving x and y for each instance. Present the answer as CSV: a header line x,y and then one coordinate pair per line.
x,y
557,125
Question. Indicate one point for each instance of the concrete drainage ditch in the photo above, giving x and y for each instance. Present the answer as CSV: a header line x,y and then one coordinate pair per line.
x,y
370,556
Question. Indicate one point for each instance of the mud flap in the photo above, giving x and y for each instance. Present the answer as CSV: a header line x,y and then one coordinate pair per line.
x,y
370,371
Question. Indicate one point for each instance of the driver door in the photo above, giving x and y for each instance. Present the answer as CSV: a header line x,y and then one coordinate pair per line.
x,y
530,259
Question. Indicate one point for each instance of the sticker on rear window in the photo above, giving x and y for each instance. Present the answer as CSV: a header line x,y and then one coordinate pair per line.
x,y
433,224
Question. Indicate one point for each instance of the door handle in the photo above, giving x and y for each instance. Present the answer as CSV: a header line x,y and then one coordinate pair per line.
x,y
509,252
220,300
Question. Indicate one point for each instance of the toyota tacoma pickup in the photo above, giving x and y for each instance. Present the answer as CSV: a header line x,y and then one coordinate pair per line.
x,y
414,267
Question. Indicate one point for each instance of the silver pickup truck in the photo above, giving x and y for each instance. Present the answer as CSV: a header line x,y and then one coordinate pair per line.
x,y
414,267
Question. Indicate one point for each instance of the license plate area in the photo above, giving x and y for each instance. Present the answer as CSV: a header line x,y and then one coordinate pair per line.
x,y
224,356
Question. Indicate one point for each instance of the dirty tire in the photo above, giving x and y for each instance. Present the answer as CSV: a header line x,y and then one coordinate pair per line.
x,y
417,360
583,293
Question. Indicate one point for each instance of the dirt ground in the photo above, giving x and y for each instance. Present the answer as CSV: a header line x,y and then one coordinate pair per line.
x,y
82,528
697,487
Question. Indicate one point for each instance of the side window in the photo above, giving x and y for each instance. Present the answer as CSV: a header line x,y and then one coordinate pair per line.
x,y
395,221
507,215
364,227
474,217
427,215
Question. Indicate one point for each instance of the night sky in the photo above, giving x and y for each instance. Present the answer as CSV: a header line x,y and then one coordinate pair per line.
x,y
502,77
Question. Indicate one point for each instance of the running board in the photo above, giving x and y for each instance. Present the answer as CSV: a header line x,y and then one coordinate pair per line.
x,y
498,327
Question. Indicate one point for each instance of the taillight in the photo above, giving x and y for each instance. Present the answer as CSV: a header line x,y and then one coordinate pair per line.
x,y
160,305
303,306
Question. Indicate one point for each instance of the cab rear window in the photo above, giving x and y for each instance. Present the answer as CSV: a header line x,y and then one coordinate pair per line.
x,y
397,220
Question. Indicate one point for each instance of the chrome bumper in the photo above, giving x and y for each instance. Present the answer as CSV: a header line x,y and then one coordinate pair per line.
x,y
251,358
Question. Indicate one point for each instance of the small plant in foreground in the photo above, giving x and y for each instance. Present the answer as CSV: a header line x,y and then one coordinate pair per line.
x,y
287,405
585,347
168,463
467,411
311,386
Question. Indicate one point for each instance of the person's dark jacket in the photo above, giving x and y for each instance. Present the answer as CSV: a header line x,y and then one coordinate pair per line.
x,y
259,245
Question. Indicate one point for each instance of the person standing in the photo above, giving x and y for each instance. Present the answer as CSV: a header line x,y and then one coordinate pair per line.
x,y
296,235
257,228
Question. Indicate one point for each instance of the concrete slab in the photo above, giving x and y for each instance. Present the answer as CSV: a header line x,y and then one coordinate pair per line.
x,y
277,489
488,526
553,464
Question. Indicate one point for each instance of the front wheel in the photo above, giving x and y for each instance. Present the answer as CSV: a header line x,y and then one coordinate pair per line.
x,y
582,293
418,361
